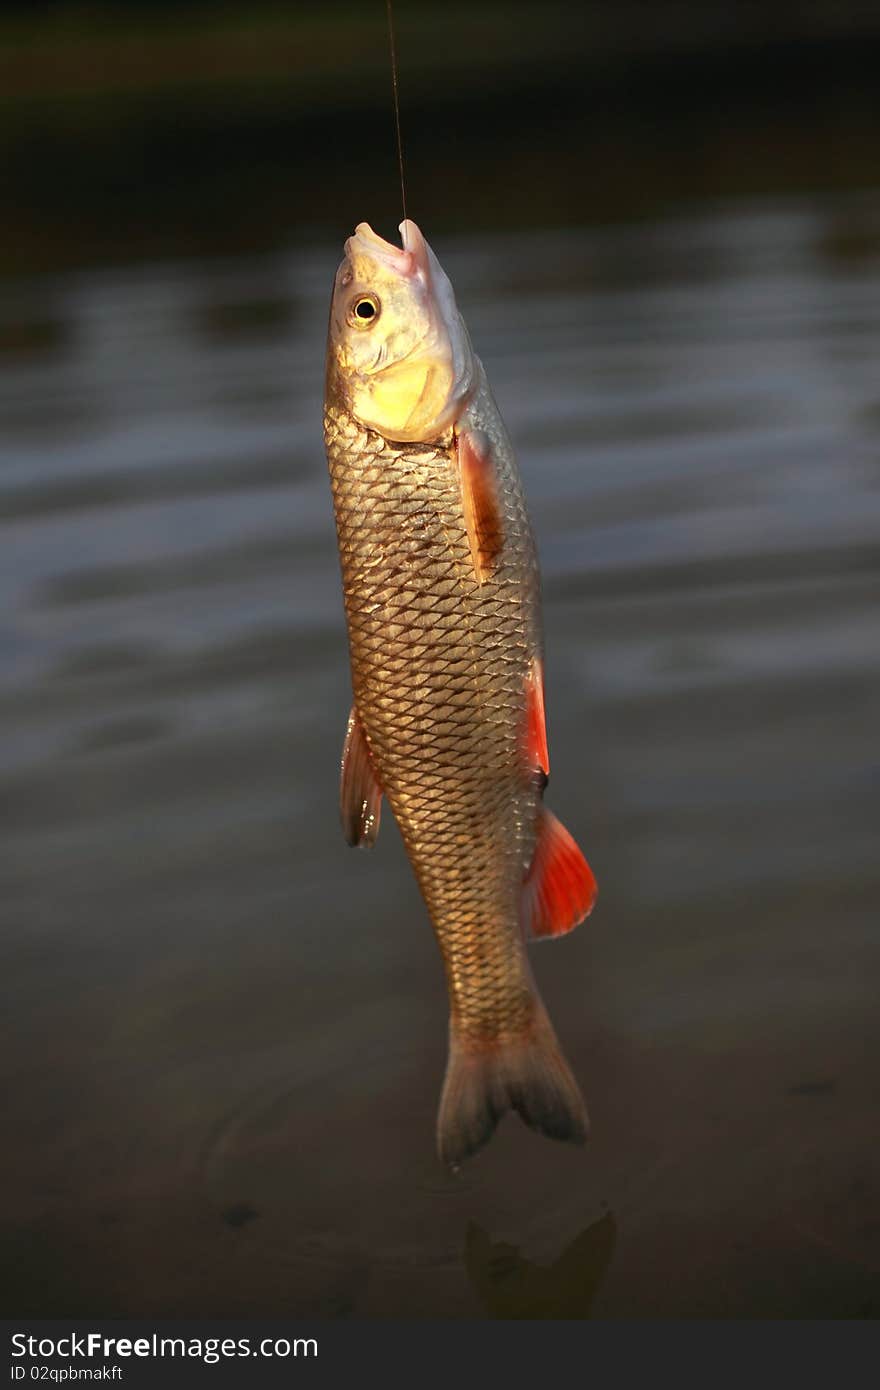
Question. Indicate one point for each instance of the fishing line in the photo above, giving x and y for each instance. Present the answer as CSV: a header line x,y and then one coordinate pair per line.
x,y
394,89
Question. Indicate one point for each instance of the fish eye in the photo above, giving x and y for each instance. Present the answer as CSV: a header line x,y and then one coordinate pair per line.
x,y
364,311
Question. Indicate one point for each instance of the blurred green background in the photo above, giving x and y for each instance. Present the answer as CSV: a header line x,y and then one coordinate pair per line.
x,y
131,129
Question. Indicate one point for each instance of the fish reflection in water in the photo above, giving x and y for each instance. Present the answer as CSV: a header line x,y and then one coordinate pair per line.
x,y
510,1286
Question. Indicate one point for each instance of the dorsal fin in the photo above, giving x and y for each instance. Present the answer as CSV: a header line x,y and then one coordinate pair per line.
x,y
360,796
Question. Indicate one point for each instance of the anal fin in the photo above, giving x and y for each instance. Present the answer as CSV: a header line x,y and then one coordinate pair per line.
x,y
560,887
360,796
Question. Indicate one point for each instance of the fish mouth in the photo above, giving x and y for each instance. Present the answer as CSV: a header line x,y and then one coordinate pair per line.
x,y
408,259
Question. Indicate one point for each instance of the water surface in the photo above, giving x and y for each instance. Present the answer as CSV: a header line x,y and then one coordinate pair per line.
x,y
225,1032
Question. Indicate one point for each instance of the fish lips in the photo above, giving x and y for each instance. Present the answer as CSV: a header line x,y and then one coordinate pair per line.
x,y
409,259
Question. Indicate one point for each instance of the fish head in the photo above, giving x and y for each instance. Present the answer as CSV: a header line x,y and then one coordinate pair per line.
x,y
398,349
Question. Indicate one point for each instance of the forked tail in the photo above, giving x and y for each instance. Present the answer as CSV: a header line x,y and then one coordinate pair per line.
x,y
484,1080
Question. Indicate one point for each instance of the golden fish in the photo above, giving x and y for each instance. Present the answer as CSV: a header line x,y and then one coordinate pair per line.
x,y
442,599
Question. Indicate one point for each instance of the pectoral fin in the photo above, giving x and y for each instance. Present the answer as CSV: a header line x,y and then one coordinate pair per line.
x,y
360,796
480,502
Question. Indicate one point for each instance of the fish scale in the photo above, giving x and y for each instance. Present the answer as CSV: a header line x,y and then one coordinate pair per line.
x,y
439,667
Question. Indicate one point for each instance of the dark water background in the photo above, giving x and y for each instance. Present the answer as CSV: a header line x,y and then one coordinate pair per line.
x,y
224,1033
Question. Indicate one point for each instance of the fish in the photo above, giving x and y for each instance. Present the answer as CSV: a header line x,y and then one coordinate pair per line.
x,y
442,600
